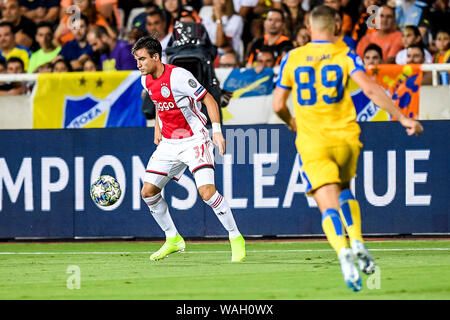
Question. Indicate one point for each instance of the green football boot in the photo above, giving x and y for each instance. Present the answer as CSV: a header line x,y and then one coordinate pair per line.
x,y
172,244
237,249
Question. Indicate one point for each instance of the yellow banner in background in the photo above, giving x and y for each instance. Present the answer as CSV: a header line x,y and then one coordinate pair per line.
x,y
87,99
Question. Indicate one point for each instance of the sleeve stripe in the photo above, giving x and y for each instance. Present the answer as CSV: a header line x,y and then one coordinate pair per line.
x,y
200,97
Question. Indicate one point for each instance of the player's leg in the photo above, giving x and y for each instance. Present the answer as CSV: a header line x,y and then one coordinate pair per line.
x,y
158,174
160,212
321,173
204,179
350,210
327,199
351,215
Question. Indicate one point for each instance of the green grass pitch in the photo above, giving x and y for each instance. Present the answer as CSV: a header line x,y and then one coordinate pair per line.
x,y
418,269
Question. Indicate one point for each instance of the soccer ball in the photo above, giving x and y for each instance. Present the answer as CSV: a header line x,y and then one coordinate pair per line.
x,y
105,191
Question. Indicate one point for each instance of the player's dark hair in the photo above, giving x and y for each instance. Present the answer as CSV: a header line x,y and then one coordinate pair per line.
x,y
374,47
148,43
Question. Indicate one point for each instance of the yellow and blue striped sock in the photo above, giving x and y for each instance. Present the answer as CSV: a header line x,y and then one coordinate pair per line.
x,y
334,230
351,215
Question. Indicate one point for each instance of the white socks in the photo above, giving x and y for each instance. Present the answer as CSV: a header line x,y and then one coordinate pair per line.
x,y
159,210
223,212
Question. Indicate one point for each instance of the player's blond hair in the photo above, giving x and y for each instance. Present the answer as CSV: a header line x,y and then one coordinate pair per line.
x,y
322,18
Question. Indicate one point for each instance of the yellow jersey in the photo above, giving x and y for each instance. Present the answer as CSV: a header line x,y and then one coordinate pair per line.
x,y
318,75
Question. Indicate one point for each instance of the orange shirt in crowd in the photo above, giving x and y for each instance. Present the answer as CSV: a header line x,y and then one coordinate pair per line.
x,y
390,44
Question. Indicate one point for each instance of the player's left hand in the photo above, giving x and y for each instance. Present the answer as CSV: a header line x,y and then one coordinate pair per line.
x,y
219,141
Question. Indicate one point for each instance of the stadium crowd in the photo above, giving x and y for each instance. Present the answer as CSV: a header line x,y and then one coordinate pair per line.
x,y
86,35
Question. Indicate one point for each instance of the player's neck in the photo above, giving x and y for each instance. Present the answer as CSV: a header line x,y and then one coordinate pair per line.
x,y
322,37
160,68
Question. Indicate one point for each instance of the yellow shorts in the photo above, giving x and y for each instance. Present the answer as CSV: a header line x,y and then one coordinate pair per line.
x,y
325,165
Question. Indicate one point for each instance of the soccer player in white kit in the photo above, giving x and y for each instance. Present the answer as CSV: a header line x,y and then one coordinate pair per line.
x,y
182,141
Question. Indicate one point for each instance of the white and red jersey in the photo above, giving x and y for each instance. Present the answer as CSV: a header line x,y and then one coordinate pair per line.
x,y
176,95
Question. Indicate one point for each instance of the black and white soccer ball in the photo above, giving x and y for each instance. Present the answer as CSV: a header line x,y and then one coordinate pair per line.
x,y
105,191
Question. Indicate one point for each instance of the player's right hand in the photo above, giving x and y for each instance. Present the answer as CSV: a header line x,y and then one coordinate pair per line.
x,y
219,141
412,126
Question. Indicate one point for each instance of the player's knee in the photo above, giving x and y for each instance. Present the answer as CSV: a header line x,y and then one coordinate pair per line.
x,y
149,190
207,191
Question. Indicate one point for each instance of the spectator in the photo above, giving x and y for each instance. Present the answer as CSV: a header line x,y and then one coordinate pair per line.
x,y
174,9
77,51
229,60
89,66
61,65
412,12
443,47
48,51
347,24
360,28
63,33
388,38
411,35
24,29
294,16
273,37
343,35
114,54
440,17
2,66
302,37
416,55
138,21
8,47
139,12
40,10
108,9
372,55
156,26
265,58
225,28
13,65
45,68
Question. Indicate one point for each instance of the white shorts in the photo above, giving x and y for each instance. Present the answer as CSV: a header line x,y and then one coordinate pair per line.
x,y
170,159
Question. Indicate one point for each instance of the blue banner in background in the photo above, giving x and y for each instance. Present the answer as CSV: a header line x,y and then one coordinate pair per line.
x,y
402,185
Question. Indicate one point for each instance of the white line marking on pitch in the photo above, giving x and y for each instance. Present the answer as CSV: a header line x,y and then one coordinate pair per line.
x,y
217,251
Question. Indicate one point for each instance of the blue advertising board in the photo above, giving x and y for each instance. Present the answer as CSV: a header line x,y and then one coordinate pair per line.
x,y
402,183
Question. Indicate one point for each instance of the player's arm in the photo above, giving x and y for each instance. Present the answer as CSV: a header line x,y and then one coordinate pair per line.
x,y
158,135
280,97
214,115
376,93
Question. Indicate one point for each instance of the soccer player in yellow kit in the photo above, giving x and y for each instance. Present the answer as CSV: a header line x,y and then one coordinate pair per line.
x,y
328,134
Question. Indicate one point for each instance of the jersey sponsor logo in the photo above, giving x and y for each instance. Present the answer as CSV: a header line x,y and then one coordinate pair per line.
x,y
165,92
192,83
164,105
